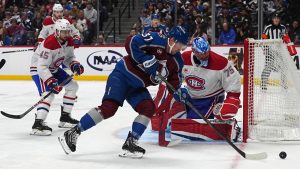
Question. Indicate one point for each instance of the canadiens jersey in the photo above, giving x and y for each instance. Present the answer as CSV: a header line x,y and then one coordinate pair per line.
x,y
49,55
48,29
143,47
217,77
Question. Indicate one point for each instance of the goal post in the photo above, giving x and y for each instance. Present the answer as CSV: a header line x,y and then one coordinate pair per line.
x,y
271,93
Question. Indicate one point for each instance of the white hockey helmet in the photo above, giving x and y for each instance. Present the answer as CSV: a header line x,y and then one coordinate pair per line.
x,y
57,7
62,24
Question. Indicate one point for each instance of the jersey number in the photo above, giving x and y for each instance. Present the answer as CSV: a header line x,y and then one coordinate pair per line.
x,y
44,55
229,71
147,37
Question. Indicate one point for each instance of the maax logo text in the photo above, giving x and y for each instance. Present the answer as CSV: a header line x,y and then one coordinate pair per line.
x,y
101,60
195,82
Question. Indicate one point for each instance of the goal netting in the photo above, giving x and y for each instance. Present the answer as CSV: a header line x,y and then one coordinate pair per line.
x,y
271,92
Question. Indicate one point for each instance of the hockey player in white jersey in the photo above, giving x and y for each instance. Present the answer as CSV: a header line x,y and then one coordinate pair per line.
x,y
208,77
48,25
55,50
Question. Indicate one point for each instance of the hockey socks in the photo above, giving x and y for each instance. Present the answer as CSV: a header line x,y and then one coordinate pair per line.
x,y
90,119
139,125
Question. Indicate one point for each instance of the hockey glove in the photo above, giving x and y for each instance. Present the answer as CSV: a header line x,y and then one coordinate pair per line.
x,y
53,84
151,66
76,67
181,95
163,71
229,108
77,42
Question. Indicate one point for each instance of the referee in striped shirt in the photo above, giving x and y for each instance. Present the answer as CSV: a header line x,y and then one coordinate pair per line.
x,y
272,60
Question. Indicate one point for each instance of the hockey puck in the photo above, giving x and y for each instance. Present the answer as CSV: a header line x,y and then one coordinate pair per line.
x,y
282,155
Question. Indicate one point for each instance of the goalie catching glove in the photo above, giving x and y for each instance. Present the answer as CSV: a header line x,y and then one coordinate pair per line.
x,y
228,109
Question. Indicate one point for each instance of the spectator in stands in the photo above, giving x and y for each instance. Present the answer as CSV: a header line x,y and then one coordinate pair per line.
x,y
17,33
198,33
294,32
101,40
75,11
91,14
144,19
6,20
38,21
228,35
82,26
2,33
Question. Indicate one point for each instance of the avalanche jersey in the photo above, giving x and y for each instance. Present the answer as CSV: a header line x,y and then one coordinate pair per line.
x,y
161,29
48,29
217,77
143,47
49,55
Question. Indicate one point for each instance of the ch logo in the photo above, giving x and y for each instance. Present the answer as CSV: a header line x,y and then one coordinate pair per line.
x,y
195,82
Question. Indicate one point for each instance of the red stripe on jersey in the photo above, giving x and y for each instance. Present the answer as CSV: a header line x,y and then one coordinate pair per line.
x,y
45,103
70,98
216,92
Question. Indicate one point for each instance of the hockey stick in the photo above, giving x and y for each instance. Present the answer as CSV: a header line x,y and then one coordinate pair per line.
x,y
257,156
2,62
32,107
20,50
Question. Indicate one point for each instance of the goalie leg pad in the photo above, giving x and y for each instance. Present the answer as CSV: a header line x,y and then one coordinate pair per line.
x,y
198,130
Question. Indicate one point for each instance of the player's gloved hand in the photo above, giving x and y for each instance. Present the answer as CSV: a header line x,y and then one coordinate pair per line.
x,y
151,66
229,108
163,71
77,42
181,95
76,67
53,84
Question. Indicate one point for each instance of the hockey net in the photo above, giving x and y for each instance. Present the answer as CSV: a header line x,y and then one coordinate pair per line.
x,y
271,92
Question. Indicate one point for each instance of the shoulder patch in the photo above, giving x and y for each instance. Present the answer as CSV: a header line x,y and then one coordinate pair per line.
x,y
71,22
186,56
216,61
51,43
48,21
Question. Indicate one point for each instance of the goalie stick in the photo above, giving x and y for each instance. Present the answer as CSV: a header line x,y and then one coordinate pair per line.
x,y
257,156
12,116
20,50
2,62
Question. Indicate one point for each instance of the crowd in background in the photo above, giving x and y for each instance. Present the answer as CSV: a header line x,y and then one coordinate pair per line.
x,y
21,20
235,19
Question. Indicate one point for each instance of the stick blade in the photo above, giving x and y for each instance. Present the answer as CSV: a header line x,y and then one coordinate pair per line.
x,y
258,156
11,115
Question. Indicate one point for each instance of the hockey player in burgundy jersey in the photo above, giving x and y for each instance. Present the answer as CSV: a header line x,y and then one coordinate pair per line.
x,y
49,22
55,50
148,54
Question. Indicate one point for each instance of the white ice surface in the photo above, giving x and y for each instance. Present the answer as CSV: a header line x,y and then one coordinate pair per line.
x,y
98,147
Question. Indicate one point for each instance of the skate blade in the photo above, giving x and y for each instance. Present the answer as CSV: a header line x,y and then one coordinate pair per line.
x,y
66,125
37,132
128,154
64,145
